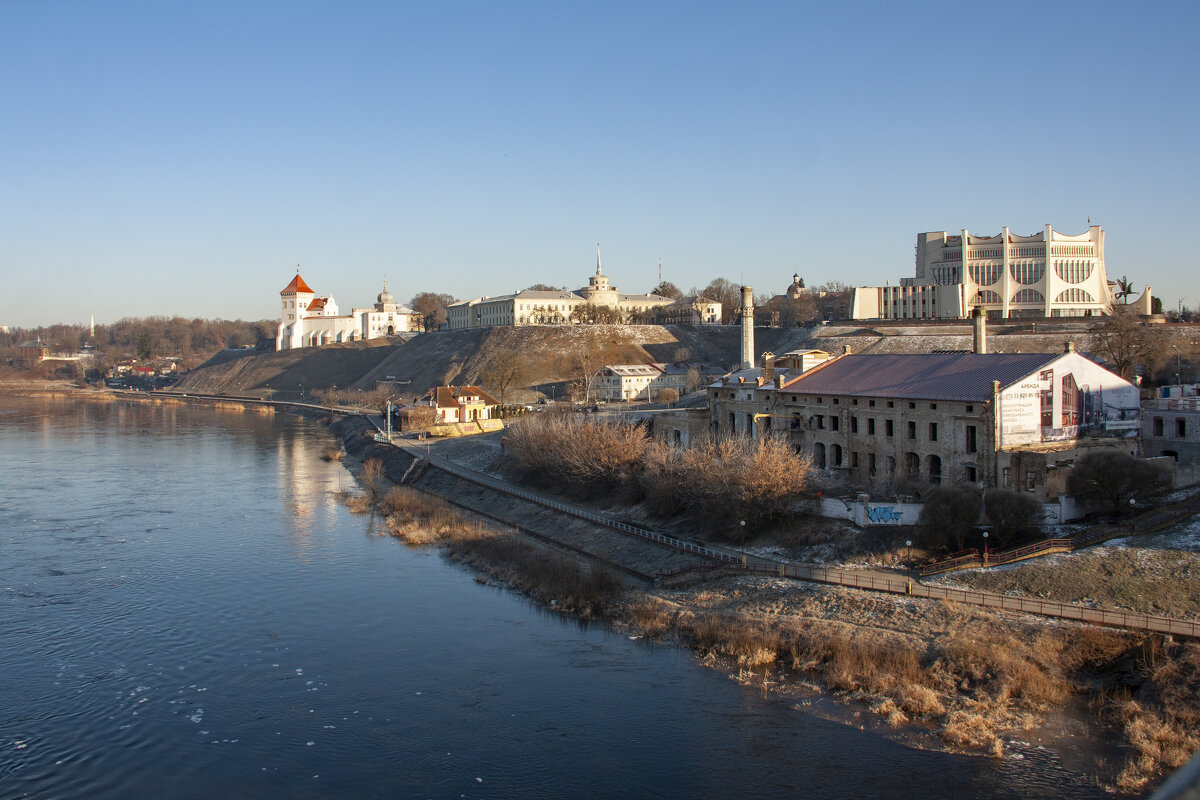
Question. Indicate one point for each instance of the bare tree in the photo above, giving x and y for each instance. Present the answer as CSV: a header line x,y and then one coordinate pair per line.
x,y
1116,478
667,396
1011,513
432,307
1125,342
667,289
505,369
949,514
372,476
728,294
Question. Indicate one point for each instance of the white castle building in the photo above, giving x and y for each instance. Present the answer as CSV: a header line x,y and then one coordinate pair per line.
x,y
532,307
1046,274
306,320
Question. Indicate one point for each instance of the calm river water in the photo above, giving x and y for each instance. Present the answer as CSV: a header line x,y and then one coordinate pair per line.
x,y
187,611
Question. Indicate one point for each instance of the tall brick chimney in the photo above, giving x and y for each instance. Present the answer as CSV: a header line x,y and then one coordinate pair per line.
x,y
977,316
747,327
768,367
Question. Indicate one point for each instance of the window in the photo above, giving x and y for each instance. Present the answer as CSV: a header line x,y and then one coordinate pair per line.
x,y
912,429
871,403
887,428
1180,427
890,404
933,431
854,459
1158,426
972,442
1008,477
820,422
854,424
972,475
933,406
835,401
833,422
871,464
912,405
970,409
835,456
871,425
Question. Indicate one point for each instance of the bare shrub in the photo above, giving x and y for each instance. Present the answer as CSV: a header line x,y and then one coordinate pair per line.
x,y
372,479
593,457
948,516
721,482
1011,513
332,453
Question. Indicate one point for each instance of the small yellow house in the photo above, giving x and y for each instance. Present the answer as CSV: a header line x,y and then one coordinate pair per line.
x,y
461,404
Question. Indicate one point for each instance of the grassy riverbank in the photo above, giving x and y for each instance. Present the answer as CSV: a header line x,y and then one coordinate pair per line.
x,y
977,679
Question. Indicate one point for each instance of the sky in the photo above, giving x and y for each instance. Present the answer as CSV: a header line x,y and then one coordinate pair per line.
x,y
181,158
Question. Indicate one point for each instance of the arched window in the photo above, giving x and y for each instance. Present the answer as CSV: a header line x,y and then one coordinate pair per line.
x,y
1073,271
986,297
912,465
1075,295
1028,296
835,456
934,464
819,455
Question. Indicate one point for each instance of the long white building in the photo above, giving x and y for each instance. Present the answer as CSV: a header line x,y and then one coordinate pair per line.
x,y
533,307
306,320
1046,274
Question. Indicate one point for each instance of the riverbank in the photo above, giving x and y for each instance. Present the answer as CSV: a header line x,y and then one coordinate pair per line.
x,y
946,676
952,677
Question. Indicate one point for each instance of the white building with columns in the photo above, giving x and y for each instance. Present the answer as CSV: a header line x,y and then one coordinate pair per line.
x,y
306,320
1045,274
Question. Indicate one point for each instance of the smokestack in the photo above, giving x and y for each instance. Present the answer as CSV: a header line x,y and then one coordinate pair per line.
x,y
747,327
980,329
768,367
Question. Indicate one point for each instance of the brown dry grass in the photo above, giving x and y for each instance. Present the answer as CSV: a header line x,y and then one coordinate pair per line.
x,y
1148,581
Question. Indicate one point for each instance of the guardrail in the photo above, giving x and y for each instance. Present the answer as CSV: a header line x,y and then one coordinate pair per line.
x,y
654,536
1152,520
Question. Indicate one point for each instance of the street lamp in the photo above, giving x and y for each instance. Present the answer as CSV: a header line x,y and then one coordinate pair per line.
x,y
1132,506
985,533
908,549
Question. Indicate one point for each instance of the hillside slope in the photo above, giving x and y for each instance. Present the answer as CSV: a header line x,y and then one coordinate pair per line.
x,y
459,357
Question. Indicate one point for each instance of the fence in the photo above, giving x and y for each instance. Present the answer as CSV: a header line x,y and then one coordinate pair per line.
x,y
1046,608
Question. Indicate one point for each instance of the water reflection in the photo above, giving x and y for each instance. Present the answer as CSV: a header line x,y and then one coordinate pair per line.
x,y
189,612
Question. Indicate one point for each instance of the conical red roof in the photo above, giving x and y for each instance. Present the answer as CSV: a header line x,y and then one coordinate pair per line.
x,y
297,285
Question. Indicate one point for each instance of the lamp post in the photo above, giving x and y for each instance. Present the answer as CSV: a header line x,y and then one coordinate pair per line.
x,y
985,533
908,549
1132,506
742,539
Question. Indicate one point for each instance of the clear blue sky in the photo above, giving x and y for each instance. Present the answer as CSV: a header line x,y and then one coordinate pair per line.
x,y
167,157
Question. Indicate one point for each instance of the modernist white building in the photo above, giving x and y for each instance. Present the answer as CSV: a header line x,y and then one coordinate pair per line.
x,y
532,307
306,320
1046,274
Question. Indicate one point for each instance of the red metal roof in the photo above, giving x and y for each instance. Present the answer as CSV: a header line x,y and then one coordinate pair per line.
x,y
297,286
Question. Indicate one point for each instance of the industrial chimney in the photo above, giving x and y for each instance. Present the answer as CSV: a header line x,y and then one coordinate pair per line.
x,y
747,327
980,321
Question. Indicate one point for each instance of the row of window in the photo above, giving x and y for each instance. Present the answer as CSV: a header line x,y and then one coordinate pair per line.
x,y
834,458
1180,427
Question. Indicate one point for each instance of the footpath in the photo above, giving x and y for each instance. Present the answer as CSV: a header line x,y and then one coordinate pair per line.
x,y
479,492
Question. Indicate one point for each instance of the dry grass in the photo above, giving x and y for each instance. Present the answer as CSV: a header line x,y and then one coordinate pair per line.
x,y
1148,581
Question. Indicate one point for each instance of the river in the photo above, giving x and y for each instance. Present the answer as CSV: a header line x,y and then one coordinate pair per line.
x,y
189,611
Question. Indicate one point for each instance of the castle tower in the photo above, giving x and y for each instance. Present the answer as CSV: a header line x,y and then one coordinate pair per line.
x,y
293,301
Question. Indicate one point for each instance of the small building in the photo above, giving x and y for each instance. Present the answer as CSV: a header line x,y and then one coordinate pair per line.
x,y
908,421
642,382
461,404
1171,424
33,352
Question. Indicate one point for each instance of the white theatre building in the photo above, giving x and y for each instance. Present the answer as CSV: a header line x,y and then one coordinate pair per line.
x,y
1046,274
306,320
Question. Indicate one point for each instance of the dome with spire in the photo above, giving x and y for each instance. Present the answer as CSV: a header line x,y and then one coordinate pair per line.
x,y
385,296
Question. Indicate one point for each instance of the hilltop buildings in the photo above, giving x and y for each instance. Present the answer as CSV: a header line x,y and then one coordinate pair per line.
x,y
599,299
1046,274
306,320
